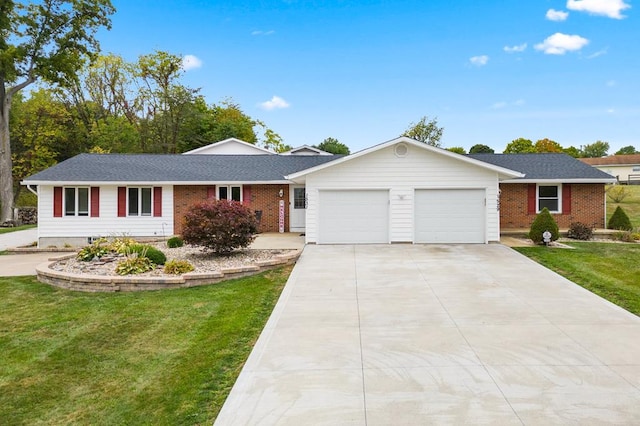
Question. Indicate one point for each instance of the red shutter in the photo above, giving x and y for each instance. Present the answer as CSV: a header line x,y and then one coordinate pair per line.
x,y
246,195
122,201
211,193
157,201
95,201
566,198
57,201
531,199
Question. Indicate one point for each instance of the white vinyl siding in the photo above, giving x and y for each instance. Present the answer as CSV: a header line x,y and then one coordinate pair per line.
x,y
401,176
108,223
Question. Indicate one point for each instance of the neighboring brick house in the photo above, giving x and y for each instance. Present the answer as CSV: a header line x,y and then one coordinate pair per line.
x,y
570,189
398,191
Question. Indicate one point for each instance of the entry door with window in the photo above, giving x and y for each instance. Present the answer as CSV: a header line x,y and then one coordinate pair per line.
x,y
298,208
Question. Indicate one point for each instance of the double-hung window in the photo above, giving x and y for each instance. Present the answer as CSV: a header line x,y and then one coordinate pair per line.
x,y
230,192
549,196
139,201
76,201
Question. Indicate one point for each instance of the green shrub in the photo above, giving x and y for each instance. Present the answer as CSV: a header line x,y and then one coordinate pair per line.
x,y
619,220
617,193
175,242
151,253
624,236
178,267
220,226
134,264
543,222
98,249
580,231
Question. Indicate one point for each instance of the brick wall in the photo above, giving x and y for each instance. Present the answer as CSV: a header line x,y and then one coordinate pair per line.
x,y
587,206
263,197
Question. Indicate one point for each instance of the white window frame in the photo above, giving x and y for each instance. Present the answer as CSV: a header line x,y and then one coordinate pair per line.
x,y
229,191
139,212
76,201
538,198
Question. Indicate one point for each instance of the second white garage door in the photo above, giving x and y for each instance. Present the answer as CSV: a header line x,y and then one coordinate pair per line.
x,y
450,216
354,216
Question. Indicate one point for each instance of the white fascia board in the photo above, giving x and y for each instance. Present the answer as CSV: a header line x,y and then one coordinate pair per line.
x,y
556,181
147,183
414,143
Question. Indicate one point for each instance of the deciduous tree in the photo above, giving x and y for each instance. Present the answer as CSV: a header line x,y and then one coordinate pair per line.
x,y
46,40
426,130
333,146
547,145
595,150
457,150
481,149
627,150
520,146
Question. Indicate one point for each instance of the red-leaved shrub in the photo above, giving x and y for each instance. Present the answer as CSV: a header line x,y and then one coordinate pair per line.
x,y
220,226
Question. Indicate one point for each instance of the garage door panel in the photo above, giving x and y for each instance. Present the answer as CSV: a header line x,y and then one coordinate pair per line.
x,y
354,216
450,216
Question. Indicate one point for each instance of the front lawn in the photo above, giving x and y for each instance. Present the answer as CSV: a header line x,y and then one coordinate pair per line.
x,y
608,269
631,204
163,357
16,228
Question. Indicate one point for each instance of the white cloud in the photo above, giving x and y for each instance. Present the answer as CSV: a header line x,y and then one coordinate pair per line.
x,y
479,61
275,102
515,49
609,8
556,15
190,62
598,53
559,44
262,33
503,104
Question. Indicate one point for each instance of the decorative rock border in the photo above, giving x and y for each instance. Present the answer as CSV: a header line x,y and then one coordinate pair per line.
x,y
114,283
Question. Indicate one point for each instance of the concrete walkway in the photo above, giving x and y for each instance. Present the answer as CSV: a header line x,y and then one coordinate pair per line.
x,y
427,334
18,238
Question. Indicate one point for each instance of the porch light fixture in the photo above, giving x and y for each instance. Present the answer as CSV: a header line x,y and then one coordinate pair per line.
x,y
281,193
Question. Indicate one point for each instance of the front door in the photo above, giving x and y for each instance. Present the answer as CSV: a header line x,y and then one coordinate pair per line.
x,y
298,208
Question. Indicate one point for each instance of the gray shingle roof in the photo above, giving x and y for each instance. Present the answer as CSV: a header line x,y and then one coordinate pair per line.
x,y
544,166
178,168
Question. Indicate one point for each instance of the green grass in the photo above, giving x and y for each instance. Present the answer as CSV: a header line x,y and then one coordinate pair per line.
x,y
16,228
631,205
148,358
608,269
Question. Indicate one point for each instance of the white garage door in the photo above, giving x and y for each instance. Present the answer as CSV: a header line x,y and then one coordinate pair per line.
x,y
354,216
450,216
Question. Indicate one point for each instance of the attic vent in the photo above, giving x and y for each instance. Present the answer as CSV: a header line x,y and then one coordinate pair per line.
x,y
401,150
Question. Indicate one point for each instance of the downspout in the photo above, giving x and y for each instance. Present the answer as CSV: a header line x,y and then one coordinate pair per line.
x,y
34,192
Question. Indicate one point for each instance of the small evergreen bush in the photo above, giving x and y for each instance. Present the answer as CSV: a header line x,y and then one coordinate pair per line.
x,y
151,253
178,267
619,220
580,231
220,226
175,242
543,222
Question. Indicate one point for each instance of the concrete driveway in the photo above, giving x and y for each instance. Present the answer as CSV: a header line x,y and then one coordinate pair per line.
x,y
426,334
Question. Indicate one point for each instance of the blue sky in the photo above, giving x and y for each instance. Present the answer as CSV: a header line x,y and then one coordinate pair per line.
x,y
362,71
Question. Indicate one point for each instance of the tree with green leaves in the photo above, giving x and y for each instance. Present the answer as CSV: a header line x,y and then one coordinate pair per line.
x,y
481,149
520,146
48,40
547,145
426,131
627,150
457,149
333,146
572,151
595,150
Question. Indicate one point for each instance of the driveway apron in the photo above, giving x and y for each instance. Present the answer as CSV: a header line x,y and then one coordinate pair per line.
x,y
437,334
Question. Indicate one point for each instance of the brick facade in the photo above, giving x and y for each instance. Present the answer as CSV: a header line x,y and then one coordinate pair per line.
x,y
587,206
263,198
